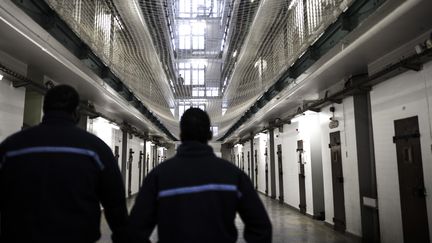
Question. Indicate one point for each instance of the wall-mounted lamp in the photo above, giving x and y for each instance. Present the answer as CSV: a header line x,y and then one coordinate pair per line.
x,y
428,43
419,48
333,122
298,118
49,84
114,126
235,53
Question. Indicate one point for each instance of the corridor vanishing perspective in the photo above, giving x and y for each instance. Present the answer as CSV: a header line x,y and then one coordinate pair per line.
x,y
289,225
326,105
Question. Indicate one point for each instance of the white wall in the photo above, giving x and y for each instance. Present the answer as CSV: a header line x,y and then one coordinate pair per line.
x,y
216,148
148,156
406,95
107,132
242,157
117,141
238,148
288,139
246,150
11,100
152,155
135,145
260,144
344,113
276,142
305,123
11,109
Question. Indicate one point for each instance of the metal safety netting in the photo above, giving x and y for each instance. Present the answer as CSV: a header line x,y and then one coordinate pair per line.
x,y
217,54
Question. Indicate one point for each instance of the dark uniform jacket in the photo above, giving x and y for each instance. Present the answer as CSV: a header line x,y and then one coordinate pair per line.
x,y
194,197
53,178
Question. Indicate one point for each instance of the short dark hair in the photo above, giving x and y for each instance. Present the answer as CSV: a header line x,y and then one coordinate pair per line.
x,y
61,98
195,126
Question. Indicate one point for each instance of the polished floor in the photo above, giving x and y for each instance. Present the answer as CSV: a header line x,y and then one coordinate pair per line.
x,y
289,226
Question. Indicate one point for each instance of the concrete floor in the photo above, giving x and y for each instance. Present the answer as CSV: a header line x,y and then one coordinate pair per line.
x,y
288,226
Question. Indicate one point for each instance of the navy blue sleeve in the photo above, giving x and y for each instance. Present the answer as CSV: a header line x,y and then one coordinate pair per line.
x,y
2,153
258,227
2,160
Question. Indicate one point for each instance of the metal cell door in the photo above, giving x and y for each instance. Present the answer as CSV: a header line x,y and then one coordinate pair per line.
x,y
411,183
129,165
281,188
116,154
140,164
266,172
337,181
242,161
147,163
256,169
154,157
249,163
302,184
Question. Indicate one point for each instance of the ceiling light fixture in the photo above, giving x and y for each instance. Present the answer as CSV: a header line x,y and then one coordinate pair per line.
x,y
235,53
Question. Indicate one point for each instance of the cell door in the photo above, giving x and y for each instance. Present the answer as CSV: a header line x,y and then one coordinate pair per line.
x,y
266,172
154,157
256,169
140,165
147,163
242,161
302,184
116,154
411,183
337,181
279,158
249,163
129,165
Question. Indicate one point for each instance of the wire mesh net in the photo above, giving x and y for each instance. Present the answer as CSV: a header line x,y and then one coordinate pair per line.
x,y
117,40
280,33
220,55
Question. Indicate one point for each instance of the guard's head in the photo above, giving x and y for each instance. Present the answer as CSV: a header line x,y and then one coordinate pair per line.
x,y
195,126
61,98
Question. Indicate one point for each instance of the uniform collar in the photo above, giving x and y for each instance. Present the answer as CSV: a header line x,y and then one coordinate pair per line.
x,y
194,148
58,118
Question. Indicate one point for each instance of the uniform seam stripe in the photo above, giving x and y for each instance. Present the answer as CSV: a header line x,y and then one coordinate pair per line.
x,y
199,189
49,149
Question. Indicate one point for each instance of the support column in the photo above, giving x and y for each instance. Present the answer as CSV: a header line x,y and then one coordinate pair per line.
x,y
144,159
124,153
154,157
171,151
83,121
316,166
272,164
366,168
252,157
226,150
33,100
